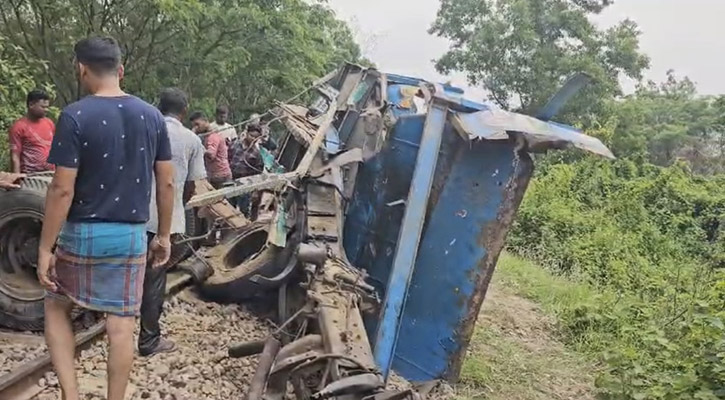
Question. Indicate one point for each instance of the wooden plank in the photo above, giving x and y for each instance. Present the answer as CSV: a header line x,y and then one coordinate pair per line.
x,y
222,209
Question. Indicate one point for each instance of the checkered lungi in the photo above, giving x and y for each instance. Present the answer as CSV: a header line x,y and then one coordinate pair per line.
x,y
100,266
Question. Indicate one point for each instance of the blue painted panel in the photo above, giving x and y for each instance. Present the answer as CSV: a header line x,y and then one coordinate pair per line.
x,y
454,95
410,233
451,91
435,330
463,237
403,80
372,227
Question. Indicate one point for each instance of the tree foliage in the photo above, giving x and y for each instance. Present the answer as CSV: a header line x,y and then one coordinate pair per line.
x,y
521,51
243,53
666,122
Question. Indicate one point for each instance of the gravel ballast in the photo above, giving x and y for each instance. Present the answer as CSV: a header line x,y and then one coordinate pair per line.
x,y
199,369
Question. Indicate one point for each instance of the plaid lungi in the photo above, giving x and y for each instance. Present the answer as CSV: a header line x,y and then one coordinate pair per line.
x,y
100,266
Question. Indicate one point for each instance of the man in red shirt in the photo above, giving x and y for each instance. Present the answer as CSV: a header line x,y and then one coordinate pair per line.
x,y
32,135
216,156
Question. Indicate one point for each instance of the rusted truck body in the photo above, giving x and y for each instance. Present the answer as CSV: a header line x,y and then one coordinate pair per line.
x,y
403,192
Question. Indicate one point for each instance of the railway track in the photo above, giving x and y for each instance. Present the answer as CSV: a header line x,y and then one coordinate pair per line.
x,y
22,382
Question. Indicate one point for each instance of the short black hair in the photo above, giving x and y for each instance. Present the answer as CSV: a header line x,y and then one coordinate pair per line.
x,y
101,54
254,128
173,101
196,115
36,95
222,109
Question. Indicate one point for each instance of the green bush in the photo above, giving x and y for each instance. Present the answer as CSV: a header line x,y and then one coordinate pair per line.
x,y
650,241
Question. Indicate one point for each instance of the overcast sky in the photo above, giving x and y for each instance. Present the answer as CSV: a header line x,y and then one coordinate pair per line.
x,y
684,35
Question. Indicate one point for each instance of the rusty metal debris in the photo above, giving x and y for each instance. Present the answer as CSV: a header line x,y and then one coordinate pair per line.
x,y
323,298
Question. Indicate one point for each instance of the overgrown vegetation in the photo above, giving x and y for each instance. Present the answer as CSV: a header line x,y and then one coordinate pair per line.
x,y
245,54
642,236
649,240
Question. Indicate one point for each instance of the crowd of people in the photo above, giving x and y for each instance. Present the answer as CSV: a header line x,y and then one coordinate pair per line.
x,y
123,171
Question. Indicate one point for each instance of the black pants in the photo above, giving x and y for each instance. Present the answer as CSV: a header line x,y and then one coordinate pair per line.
x,y
154,291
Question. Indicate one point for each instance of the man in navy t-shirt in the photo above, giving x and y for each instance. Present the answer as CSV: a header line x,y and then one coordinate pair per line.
x,y
106,149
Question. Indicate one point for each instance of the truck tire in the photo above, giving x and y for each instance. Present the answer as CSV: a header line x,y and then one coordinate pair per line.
x,y
21,214
248,255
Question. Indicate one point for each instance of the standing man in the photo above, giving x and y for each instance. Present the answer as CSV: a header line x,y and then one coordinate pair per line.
x,y
255,122
246,160
32,135
216,154
221,125
188,159
106,150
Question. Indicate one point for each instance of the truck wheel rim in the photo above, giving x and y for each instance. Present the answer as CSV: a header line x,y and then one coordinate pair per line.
x,y
19,235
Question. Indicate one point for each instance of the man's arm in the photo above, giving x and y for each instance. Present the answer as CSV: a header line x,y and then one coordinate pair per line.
x,y
196,170
160,248
16,163
58,200
212,145
164,171
189,189
16,146
59,197
10,180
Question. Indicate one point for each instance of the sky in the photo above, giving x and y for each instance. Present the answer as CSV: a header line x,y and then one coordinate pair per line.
x,y
683,35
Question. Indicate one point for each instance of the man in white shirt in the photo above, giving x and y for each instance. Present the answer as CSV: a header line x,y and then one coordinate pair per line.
x,y
187,154
221,125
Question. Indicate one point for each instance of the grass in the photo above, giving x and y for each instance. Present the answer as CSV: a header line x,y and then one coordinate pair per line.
x,y
555,294
562,298
516,352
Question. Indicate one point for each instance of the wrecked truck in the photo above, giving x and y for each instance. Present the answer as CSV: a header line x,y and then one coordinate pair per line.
x,y
383,214
392,205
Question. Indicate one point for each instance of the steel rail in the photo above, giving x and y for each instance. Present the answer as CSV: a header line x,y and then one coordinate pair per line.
x,y
22,382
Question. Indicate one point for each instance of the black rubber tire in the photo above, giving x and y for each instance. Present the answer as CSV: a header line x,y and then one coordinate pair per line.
x,y
234,285
14,313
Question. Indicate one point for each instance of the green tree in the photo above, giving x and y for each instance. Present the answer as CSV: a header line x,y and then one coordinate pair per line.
x,y
243,53
664,122
521,51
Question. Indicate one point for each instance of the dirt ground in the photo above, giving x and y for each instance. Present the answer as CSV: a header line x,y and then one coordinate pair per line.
x,y
515,355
